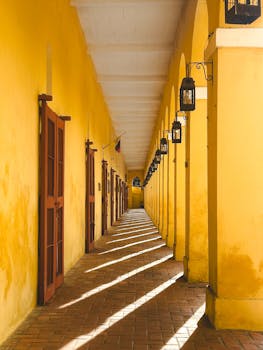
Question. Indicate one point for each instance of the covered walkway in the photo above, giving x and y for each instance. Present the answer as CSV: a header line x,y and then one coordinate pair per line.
x,y
127,294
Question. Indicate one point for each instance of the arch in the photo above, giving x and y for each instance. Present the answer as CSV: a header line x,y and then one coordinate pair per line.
x,y
195,139
199,40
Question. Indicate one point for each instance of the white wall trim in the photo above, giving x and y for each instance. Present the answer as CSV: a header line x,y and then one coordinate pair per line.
x,y
201,93
234,37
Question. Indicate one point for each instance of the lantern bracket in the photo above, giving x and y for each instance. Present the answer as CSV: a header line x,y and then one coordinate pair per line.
x,y
199,65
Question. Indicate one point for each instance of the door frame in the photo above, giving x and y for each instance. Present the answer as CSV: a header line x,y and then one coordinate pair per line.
x,y
104,197
112,195
51,201
117,197
90,198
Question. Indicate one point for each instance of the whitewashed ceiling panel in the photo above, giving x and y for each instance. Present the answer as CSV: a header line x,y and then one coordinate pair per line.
x,y
131,43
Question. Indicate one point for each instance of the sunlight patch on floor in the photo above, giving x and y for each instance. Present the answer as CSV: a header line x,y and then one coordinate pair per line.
x,y
116,281
130,245
126,257
183,334
128,223
83,339
133,227
133,231
132,237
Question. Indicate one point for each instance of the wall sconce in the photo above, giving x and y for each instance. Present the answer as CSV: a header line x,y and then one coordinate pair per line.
x,y
163,146
242,11
157,158
187,94
176,131
187,89
155,165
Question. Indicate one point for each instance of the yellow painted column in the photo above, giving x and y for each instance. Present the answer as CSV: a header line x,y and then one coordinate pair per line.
x,y
196,252
235,186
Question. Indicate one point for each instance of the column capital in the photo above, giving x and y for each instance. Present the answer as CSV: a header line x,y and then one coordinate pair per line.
x,y
234,37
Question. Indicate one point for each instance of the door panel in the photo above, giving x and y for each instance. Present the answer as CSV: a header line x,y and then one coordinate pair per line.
x,y
112,195
104,196
90,198
51,260
117,197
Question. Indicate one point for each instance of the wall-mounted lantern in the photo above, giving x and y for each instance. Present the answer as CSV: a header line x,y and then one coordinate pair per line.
x,y
187,94
187,89
242,11
157,158
163,146
176,131
155,165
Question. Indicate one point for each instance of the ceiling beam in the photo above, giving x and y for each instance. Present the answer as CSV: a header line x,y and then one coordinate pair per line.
x,y
130,47
132,78
88,3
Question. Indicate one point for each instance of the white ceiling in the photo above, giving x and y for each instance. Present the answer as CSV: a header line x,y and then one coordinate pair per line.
x,y
131,43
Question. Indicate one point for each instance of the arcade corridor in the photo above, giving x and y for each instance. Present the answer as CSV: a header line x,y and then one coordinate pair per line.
x,y
128,294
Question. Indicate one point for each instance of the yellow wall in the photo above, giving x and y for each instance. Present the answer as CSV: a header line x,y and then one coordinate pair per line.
x,y
35,36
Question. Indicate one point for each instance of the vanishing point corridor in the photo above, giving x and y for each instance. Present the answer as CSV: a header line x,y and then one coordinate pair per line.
x,y
127,294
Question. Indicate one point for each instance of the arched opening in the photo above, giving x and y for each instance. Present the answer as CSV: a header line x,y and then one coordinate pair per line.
x,y
171,177
180,181
196,207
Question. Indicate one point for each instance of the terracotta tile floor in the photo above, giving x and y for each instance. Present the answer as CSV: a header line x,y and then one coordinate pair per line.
x,y
127,294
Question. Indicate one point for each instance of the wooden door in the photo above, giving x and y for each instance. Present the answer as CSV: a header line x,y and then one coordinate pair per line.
x,y
51,236
120,198
90,199
123,197
112,195
127,197
104,196
117,197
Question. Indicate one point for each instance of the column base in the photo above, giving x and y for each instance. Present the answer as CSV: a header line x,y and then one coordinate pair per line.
x,y
195,270
223,313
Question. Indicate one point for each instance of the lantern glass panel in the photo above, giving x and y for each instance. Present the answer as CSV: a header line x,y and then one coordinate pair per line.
x,y
177,132
187,94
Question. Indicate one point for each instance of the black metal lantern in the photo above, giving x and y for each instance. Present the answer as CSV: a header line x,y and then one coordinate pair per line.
x,y
242,11
176,132
154,165
163,146
157,158
187,94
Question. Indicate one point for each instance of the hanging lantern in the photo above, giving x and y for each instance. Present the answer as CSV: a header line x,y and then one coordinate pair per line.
x,y
154,165
157,158
242,11
187,94
163,146
176,132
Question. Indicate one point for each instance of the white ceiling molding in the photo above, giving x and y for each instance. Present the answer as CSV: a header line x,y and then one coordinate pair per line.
x,y
234,37
131,43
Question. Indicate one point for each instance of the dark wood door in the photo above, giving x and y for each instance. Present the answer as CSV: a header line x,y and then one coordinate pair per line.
x,y
112,195
104,196
120,198
117,197
90,199
51,237
123,197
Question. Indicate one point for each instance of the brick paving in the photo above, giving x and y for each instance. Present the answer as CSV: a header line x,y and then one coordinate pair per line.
x,y
128,294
